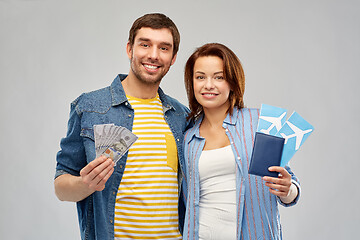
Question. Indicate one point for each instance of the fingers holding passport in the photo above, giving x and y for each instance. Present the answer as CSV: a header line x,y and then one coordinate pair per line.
x,y
279,186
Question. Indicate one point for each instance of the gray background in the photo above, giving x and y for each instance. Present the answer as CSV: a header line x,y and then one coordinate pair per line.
x,y
300,55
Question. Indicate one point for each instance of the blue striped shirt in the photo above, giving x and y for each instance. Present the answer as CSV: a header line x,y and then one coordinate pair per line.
x,y
257,209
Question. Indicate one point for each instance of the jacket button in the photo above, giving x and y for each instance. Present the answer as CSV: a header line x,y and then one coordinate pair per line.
x,y
120,166
129,116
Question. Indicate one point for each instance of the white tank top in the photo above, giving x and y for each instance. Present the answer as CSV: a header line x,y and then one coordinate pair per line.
x,y
217,214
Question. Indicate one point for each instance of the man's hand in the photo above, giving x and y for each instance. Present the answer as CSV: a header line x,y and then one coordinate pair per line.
x,y
92,178
97,172
279,186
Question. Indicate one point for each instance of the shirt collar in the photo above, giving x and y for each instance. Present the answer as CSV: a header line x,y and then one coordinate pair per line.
x,y
194,132
231,119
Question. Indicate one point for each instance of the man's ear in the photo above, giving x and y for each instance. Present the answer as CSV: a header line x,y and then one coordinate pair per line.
x,y
129,50
173,59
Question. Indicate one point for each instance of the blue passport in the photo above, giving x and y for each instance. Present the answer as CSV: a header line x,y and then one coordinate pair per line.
x,y
267,152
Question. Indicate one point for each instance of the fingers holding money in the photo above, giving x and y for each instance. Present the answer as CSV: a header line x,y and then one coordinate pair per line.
x,y
97,172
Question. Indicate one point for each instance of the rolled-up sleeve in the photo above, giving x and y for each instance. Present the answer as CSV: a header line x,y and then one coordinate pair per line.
x,y
71,158
296,182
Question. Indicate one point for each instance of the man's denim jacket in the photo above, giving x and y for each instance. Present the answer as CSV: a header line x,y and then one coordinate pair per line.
x,y
108,105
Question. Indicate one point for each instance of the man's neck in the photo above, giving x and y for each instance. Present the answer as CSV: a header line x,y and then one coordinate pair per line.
x,y
135,88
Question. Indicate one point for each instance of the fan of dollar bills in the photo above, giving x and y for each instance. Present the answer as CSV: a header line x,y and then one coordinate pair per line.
x,y
112,141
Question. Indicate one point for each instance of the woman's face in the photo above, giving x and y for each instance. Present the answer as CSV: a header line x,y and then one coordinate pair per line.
x,y
210,88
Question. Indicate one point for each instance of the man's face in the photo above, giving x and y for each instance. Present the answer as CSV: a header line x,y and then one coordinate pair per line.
x,y
151,55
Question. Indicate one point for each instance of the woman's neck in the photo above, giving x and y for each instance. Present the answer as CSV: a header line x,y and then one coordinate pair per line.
x,y
212,129
214,117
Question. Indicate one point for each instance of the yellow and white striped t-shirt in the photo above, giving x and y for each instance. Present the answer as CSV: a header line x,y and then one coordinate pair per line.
x,y
147,200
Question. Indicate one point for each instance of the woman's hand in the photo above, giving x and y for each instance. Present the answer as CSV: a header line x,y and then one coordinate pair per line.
x,y
279,186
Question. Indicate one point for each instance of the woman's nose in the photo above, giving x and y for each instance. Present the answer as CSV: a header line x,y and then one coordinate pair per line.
x,y
209,84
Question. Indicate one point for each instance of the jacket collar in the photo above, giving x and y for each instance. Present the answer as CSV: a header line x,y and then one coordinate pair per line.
x,y
118,95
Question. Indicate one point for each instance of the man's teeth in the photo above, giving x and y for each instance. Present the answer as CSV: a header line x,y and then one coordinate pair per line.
x,y
211,94
150,66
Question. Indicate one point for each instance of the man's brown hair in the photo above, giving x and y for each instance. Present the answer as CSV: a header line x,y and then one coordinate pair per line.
x,y
155,21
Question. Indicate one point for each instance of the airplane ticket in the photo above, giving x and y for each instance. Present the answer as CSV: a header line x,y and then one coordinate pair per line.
x,y
295,131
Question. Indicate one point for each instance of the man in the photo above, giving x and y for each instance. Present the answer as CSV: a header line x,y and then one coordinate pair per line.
x,y
137,198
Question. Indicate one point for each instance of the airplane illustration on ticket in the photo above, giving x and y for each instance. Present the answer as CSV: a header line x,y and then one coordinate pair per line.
x,y
298,134
275,122
271,119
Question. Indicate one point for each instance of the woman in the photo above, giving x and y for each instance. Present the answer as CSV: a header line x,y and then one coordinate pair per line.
x,y
223,201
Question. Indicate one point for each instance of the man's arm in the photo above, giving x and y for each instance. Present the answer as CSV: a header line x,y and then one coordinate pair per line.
x,y
92,178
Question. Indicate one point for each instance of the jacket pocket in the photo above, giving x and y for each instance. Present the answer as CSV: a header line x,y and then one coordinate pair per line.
x,y
87,132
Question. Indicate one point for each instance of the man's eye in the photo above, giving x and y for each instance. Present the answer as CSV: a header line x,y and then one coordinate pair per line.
x,y
164,48
144,45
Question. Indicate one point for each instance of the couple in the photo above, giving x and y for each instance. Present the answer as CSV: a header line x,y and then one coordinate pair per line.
x,y
195,160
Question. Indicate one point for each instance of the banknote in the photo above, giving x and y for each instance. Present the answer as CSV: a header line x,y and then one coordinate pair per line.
x,y
101,135
112,141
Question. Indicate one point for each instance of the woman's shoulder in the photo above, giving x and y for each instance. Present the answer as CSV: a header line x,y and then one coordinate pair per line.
x,y
244,113
250,110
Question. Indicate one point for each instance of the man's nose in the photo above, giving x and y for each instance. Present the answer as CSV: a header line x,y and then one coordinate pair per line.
x,y
154,53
